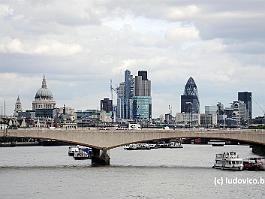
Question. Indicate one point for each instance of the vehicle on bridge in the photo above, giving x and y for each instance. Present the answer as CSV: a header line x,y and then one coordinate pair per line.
x,y
134,126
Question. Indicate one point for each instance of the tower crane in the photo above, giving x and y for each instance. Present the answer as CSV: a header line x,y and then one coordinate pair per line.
x,y
111,95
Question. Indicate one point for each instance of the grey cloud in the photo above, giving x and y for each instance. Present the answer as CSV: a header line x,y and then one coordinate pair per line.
x,y
223,49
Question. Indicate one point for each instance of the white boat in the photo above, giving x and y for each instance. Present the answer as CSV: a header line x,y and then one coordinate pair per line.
x,y
216,142
228,160
175,145
72,150
138,146
83,153
170,145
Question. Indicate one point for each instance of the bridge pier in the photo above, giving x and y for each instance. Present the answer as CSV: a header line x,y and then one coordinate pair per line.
x,y
100,157
258,149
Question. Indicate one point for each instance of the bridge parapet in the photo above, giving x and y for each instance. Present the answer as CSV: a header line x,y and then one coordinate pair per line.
x,y
108,139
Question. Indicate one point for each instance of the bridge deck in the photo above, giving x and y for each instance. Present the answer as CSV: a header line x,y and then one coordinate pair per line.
x,y
108,139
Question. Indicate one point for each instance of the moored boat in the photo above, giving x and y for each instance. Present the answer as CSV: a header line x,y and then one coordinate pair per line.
x,y
170,145
138,146
72,150
173,145
216,142
83,153
229,161
254,164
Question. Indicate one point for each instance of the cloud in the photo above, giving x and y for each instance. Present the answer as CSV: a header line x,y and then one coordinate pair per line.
x,y
5,10
80,45
43,47
183,12
182,34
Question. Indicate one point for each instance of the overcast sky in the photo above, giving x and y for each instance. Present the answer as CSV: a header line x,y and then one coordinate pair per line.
x,y
80,45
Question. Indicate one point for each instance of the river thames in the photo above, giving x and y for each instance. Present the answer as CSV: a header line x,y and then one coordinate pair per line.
x,y
48,172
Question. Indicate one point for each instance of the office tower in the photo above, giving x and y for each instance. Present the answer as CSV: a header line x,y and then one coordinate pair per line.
x,y
125,93
120,101
189,100
142,100
128,94
239,112
106,105
246,97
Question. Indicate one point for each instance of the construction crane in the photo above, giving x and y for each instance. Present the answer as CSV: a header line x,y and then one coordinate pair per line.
x,y
111,96
260,107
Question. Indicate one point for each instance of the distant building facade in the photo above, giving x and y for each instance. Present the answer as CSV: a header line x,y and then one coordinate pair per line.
x,y
209,119
134,100
43,103
142,100
18,107
189,100
187,119
128,94
246,97
120,111
239,113
125,93
106,105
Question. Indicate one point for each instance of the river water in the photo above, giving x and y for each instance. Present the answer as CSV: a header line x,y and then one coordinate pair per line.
x,y
48,172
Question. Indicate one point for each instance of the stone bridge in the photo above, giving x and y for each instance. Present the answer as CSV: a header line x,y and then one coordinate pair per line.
x,y
103,140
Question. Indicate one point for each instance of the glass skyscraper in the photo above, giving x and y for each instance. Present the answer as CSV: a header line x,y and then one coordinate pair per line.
x,y
189,100
246,97
134,99
125,93
128,94
142,100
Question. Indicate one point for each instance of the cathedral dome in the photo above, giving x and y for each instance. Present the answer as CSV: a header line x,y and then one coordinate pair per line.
x,y
44,92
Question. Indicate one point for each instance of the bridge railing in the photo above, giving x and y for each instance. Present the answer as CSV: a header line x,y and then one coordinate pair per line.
x,y
142,130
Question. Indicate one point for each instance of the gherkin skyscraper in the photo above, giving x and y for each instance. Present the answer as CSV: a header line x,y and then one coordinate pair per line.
x,y
189,100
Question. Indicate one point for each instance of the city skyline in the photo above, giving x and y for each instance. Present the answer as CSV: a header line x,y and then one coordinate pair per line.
x,y
82,48
44,85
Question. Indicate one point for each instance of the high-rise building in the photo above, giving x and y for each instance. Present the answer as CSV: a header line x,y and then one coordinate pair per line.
x,y
120,101
239,113
143,74
125,93
134,97
246,97
106,105
142,100
189,100
128,94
